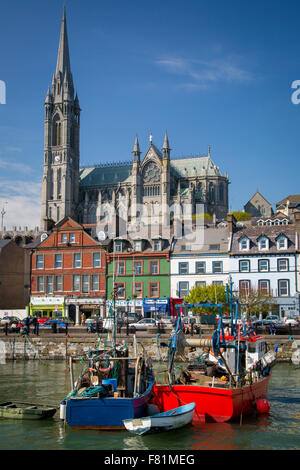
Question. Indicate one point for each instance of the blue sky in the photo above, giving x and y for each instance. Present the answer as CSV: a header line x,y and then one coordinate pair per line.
x,y
213,73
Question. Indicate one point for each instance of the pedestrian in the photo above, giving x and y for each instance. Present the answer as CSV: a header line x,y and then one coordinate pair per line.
x,y
27,325
83,318
6,329
34,323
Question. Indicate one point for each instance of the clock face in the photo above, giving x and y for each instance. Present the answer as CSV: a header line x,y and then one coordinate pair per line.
x,y
57,158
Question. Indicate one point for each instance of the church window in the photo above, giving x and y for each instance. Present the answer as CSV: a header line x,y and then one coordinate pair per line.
x,y
58,182
56,131
221,192
151,173
211,192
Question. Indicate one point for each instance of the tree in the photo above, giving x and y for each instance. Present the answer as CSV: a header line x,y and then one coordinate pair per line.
x,y
213,293
241,215
256,302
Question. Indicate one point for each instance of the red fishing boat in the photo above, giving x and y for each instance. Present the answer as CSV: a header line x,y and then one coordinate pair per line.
x,y
229,381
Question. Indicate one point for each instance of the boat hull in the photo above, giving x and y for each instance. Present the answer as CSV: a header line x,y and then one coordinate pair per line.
x,y
162,422
213,404
30,412
106,413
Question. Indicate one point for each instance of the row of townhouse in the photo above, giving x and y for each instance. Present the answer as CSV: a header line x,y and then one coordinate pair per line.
x,y
73,273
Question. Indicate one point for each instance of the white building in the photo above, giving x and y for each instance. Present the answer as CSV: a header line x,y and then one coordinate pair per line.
x,y
207,264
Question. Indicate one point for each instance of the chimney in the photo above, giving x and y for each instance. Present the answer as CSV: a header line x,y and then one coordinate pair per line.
x,y
48,224
231,220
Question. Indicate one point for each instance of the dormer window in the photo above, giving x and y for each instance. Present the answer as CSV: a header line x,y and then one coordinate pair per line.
x,y
138,245
118,246
157,245
263,243
282,243
260,222
285,222
244,244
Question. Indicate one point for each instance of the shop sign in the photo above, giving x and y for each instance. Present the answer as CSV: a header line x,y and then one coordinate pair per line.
x,y
47,301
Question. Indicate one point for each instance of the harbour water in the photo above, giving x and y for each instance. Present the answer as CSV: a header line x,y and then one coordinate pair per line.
x,y
49,381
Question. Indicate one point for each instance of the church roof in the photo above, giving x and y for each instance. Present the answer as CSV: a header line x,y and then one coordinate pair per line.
x,y
194,166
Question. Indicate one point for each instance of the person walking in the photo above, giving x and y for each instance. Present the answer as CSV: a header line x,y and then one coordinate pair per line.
x,y
34,323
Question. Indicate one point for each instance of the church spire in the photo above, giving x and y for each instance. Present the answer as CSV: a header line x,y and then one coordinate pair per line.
x,y
166,147
63,58
136,150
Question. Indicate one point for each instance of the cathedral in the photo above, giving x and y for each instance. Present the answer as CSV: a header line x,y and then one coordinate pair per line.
x,y
146,188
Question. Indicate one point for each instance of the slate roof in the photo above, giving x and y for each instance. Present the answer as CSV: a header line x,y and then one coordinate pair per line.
x,y
212,237
271,231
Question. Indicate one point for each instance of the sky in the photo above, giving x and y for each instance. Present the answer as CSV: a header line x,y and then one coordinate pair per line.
x,y
211,72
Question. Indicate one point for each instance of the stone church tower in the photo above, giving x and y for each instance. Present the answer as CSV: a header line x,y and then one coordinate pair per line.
x,y
60,186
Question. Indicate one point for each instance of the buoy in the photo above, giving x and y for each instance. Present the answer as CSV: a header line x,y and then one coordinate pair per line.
x,y
262,406
62,413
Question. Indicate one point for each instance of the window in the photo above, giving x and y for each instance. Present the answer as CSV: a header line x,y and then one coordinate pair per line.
x,y
138,268
283,287
214,247
244,287
200,284
77,260
120,271
263,243
64,238
72,238
96,260
217,267
85,284
283,264
138,245
244,244
217,283
40,283
58,284
244,266
118,246
154,289
120,290
95,282
183,289
49,285
264,286
282,243
157,245
138,290
183,268
39,261
263,265
200,267
154,267
76,283
58,261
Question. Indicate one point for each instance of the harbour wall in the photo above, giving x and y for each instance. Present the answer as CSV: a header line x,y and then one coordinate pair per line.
x,y
61,347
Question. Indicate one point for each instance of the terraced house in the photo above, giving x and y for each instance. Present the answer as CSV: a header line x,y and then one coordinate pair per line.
x,y
264,258
140,271
68,273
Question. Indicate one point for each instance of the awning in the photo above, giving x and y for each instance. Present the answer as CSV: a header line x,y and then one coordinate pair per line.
x,y
156,305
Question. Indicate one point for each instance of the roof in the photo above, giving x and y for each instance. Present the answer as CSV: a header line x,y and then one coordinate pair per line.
x,y
3,243
293,199
194,166
272,232
211,241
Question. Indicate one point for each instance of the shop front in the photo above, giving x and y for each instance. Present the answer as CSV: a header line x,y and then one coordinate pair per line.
x,y
124,307
80,309
156,308
47,307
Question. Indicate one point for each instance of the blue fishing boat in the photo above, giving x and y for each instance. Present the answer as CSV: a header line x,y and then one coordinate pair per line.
x,y
111,388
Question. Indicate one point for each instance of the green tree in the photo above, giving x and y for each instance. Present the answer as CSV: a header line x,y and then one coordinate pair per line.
x,y
241,215
213,293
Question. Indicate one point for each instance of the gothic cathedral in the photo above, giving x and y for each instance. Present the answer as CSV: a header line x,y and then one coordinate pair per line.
x,y
141,185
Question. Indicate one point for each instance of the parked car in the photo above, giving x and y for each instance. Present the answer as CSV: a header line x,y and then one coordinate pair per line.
x,y
291,321
255,321
43,320
58,325
144,324
271,319
8,320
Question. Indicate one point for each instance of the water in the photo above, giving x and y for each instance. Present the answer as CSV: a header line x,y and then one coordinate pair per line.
x,y
49,382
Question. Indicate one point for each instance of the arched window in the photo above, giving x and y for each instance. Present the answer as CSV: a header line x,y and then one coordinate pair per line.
x,y
221,192
211,191
58,182
56,131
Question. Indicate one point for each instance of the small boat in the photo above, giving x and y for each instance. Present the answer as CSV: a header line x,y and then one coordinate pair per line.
x,y
167,421
18,410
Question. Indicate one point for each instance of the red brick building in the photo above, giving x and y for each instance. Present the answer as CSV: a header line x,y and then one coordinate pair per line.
x,y
68,275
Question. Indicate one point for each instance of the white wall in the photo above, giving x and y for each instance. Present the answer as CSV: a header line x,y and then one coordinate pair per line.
x,y
13,313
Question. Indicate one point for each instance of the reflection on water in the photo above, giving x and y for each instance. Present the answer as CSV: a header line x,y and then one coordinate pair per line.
x,y
48,382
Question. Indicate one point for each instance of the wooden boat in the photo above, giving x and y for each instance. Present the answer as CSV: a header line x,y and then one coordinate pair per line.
x,y
167,421
16,410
